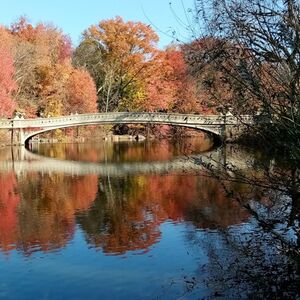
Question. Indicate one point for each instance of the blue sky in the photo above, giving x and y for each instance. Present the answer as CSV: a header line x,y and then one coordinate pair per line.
x,y
73,16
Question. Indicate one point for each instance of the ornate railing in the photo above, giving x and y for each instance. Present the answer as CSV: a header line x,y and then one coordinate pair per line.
x,y
130,117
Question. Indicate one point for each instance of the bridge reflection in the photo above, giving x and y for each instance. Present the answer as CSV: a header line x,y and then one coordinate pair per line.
x,y
26,161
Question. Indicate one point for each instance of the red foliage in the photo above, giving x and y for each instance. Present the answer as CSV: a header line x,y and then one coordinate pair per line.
x,y
161,87
171,87
7,83
44,36
64,48
81,93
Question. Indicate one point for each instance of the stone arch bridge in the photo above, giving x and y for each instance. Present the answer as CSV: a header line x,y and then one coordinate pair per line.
x,y
223,126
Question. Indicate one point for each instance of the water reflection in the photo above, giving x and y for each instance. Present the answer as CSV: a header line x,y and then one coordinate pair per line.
x,y
108,151
9,201
40,210
129,211
37,212
69,218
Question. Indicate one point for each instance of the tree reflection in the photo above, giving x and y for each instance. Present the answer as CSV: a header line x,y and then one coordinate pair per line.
x,y
44,217
260,259
9,200
108,151
245,263
119,220
128,211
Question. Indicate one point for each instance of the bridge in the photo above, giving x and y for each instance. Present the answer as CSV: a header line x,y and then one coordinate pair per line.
x,y
223,126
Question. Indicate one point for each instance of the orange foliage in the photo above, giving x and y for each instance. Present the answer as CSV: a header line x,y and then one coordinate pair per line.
x,y
81,93
47,83
171,87
130,72
50,44
7,83
126,51
128,43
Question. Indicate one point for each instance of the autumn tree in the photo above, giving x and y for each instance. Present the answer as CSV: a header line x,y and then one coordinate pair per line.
x,y
38,59
256,51
35,50
118,55
184,88
213,72
7,82
161,87
171,87
81,93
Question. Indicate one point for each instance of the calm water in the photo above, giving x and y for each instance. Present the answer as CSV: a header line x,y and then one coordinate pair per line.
x,y
116,221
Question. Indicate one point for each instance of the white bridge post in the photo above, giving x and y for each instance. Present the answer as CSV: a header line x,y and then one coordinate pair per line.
x,y
21,136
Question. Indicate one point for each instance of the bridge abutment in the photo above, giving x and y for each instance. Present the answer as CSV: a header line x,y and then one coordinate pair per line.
x,y
17,137
21,137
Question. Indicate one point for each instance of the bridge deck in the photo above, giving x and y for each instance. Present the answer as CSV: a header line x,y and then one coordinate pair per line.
x,y
126,117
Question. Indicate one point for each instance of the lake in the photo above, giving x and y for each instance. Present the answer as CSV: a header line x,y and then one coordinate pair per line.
x,y
127,220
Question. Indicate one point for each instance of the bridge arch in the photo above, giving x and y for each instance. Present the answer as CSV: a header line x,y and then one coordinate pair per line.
x,y
215,131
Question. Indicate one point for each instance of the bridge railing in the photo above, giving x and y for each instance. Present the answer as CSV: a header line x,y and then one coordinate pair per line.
x,y
5,123
123,117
